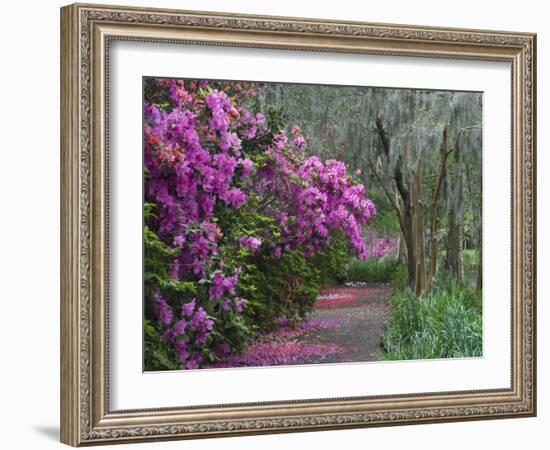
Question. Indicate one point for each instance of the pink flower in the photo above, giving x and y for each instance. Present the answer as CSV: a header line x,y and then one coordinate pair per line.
x,y
239,304
250,242
299,141
163,310
188,308
179,240
247,167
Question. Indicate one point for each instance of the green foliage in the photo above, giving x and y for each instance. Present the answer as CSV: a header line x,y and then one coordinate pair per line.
x,y
278,287
471,257
445,323
385,221
276,118
157,354
331,262
155,95
400,278
373,270
471,265
286,287
157,258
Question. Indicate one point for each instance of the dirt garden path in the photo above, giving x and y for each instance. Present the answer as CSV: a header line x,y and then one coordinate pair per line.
x,y
346,326
359,314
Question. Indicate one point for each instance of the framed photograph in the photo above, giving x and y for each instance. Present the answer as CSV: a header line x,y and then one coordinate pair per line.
x,y
276,224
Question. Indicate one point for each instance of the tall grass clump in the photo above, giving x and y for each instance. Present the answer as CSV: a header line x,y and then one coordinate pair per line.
x,y
445,323
470,257
373,270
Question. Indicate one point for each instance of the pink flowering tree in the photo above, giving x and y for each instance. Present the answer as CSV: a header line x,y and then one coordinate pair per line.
x,y
239,219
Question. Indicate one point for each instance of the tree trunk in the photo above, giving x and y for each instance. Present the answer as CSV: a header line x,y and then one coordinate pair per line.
x,y
409,243
411,216
418,235
480,238
454,247
454,260
479,283
402,251
480,263
435,209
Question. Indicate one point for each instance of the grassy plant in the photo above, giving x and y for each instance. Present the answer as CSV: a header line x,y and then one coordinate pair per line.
x,y
446,323
399,278
373,270
471,257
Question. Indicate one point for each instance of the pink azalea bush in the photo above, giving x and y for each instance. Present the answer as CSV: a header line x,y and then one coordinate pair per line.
x,y
226,198
379,245
383,246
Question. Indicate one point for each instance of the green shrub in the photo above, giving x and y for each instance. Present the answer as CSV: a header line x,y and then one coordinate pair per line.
x,y
331,262
445,323
287,286
373,270
273,287
157,258
471,257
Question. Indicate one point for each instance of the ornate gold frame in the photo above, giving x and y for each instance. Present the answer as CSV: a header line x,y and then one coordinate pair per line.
x,y
86,31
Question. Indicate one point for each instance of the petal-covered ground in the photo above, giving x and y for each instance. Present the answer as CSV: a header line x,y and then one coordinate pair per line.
x,y
342,297
346,326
